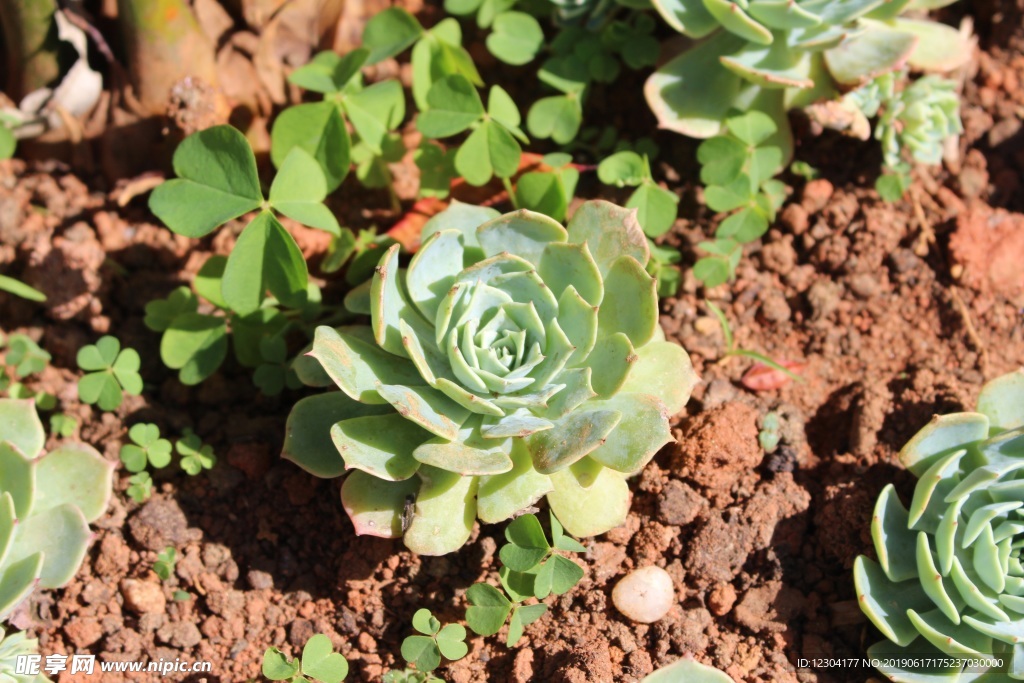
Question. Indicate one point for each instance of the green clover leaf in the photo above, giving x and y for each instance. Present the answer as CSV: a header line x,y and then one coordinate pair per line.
x,y
111,370
195,456
147,447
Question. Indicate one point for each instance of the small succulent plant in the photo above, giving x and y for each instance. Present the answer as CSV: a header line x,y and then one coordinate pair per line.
x,y
514,358
13,646
776,55
949,579
46,504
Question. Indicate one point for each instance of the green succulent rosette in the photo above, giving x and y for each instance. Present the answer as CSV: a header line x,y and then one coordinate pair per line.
x,y
46,504
513,359
949,580
776,55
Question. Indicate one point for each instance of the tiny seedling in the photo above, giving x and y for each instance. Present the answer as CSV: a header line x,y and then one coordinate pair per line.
x,y
112,371
731,350
770,433
63,425
738,168
140,487
165,562
146,447
195,455
27,357
318,663
532,569
425,651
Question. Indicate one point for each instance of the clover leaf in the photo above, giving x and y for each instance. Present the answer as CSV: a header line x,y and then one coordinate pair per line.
x,y
217,181
112,371
140,487
656,207
516,38
147,447
63,425
425,651
195,455
489,609
161,313
319,663
25,355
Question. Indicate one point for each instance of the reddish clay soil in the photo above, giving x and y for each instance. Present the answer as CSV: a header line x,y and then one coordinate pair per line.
x,y
896,312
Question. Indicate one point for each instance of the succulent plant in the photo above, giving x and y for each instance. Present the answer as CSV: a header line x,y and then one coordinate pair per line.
x,y
688,670
949,579
776,55
514,358
46,504
13,646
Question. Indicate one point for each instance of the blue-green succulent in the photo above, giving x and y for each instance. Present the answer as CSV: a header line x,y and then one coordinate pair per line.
x,y
46,504
512,359
12,647
777,55
949,580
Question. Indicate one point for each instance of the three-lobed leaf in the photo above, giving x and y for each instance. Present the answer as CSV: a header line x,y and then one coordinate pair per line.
x,y
217,182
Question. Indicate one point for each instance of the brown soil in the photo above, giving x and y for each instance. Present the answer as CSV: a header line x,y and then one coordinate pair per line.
x,y
896,312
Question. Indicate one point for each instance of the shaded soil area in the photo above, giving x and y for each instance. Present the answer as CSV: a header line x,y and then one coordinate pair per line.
x,y
894,313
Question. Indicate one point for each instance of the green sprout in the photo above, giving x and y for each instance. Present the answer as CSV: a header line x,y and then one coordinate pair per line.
x,y
27,357
195,455
112,371
146,448
948,581
425,651
165,562
732,350
9,284
140,487
318,663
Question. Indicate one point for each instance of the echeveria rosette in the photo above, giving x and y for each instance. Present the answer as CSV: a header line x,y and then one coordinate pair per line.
x,y
46,504
776,55
514,359
949,578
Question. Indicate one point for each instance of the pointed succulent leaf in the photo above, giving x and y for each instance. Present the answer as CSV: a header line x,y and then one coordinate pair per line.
x,y
939,47
500,496
8,521
523,233
734,19
21,426
357,366
20,480
869,54
444,514
74,474
427,407
687,16
376,505
589,511
61,534
388,305
689,670
890,529
1002,401
630,304
17,580
939,437
642,431
469,453
307,440
609,231
572,437
663,370
381,445
433,270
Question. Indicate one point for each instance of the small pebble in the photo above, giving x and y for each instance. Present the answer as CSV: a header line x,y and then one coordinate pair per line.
x,y
645,595
143,597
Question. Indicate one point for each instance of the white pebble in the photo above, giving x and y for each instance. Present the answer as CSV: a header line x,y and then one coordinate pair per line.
x,y
644,595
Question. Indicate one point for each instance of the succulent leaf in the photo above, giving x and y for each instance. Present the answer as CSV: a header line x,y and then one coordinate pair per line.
x,y
21,426
960,592
497,359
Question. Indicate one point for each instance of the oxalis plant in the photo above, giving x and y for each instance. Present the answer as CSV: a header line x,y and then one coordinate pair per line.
x,y
46,505
513,359
949,580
